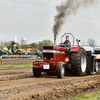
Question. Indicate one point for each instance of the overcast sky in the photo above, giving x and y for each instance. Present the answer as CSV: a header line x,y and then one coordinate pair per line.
x,y
34,20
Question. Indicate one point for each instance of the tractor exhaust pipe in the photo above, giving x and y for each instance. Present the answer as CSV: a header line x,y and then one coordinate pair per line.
x,y
54,40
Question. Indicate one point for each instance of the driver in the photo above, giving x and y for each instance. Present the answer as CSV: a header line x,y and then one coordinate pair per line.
x,y
67,44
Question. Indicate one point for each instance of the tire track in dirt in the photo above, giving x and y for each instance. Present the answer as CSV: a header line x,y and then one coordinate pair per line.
x,y
14,74
15,77
9,73
20,84
52,89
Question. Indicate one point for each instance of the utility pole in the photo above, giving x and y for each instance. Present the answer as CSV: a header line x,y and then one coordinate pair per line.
x,y
0,42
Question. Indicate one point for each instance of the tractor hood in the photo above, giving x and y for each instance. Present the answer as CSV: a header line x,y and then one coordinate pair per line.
x,y
53,53
57,48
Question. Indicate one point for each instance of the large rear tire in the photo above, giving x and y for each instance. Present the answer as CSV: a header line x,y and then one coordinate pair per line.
x,y
97,67
79,63
60,70
36,72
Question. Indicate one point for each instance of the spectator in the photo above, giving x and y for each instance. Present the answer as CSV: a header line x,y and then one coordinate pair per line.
x,y
11,53
26,53
8,53
0,54
38,54
23,53
32,53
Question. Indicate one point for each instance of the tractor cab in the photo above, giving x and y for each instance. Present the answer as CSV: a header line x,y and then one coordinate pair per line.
x,y
62,44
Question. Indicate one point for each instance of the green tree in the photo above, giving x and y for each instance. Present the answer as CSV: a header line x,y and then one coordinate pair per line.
x,y
6,43
47,42
34,45
24,46
12,43
44,42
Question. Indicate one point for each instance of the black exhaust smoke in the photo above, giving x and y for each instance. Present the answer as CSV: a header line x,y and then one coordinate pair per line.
x,y
67,8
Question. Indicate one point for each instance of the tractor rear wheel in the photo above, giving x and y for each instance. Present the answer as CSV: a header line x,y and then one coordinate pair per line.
x,y
60,70
79,63
36,72
97,67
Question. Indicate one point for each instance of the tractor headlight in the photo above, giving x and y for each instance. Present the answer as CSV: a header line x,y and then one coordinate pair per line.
x,y
45,58
51,58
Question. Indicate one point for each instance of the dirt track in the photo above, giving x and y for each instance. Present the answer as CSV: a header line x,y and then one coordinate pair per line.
x,y
20,84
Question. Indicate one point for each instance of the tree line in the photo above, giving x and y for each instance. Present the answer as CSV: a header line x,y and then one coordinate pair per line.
x,y
23,45
39,45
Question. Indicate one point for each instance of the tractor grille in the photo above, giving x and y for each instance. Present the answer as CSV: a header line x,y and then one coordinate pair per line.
x,y
48,55
48,48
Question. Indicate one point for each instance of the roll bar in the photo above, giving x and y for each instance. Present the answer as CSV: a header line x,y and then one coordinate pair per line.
x,y
69,34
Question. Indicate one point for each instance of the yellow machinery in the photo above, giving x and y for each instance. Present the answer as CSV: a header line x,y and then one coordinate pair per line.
x,y
29,49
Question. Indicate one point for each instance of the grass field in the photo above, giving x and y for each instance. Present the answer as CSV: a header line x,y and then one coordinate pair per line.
x,y
17,63
88,96
7,66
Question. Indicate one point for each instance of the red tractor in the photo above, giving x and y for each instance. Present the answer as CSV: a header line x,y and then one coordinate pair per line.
x,y
77,61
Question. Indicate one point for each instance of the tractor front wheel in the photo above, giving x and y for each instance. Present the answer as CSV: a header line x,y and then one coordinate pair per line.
x,y
36,72
60,70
